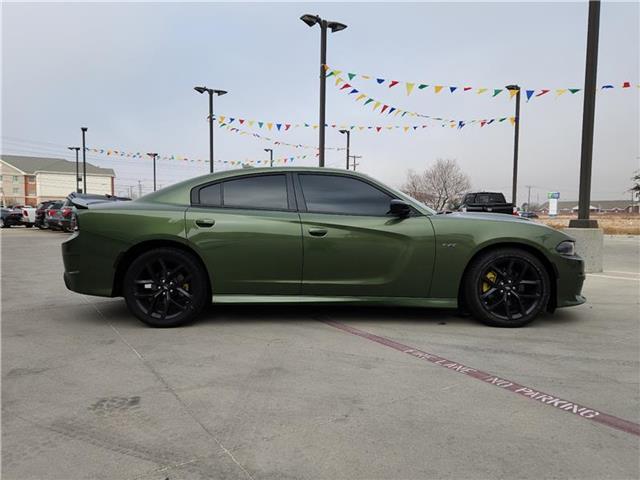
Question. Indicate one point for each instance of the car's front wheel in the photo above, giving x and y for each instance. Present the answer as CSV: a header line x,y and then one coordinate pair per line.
x,y
507,287
166,287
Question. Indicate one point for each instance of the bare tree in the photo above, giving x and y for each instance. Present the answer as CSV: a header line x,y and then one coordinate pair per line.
x,y
439,186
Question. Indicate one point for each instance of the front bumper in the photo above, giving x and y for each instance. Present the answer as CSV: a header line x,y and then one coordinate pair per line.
x,y
570,279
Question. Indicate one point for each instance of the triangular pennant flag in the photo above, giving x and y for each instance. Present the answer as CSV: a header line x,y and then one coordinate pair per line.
x,y
366,77
626,85
269,125
512,120
380,80
529,93
376,105
393,83
360,97
482,90
325,66
369,100
332,72
353,91
482,122
496,91
406,129
513,93
378,128
384,107
250,122
543,92
346,85
391,110
351,75
452,89
231,120
574,90
607,86
260,124
339,81
409,87
502,119
560,91
491,121
415,127
241,120
278,126
422,85
221,118
460,124
437,88
466,89
287,126
360,128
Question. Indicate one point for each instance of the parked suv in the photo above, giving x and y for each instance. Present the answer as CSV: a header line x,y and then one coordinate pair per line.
x,y
51,216
10,216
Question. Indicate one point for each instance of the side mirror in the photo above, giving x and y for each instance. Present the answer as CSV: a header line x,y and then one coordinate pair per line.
x,y
399,208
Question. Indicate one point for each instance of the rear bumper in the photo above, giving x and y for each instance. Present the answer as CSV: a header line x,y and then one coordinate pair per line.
x,y
87,270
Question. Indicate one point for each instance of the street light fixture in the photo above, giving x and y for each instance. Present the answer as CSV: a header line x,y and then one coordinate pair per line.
x,y
516,139
77,149
211,93
270,150
312,20
348,133
84,160
154,155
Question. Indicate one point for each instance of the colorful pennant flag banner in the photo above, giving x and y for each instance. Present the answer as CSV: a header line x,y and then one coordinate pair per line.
x,y
381,107
410,87
222,124
110,152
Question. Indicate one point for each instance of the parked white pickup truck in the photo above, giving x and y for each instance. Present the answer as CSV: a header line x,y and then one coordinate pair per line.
x,y
28,216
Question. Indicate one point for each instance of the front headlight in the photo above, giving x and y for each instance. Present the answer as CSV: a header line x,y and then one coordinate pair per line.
x,y
568,247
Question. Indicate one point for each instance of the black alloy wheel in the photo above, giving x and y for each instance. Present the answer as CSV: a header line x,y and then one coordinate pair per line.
x,y
165,287
507,288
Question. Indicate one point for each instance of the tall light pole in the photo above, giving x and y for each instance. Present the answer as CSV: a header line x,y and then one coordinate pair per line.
x,y
84,160
154,155
348,134
588,118
77,149
516,139
211,92
311,20
270,150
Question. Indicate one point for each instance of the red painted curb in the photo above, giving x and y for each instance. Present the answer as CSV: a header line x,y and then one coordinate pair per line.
x,y
527,392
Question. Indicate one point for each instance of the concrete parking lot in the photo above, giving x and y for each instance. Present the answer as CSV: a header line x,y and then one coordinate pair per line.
x,y
307,392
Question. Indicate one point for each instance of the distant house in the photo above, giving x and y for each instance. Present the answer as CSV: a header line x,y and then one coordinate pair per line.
x,y
31,180
599,206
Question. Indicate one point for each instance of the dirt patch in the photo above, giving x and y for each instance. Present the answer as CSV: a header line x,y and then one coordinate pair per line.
x,y
611,224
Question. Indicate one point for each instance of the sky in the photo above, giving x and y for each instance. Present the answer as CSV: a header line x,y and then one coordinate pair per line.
x,y
127,72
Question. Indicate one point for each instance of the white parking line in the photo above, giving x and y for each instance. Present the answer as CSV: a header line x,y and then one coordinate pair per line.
x,y
614,278
624,273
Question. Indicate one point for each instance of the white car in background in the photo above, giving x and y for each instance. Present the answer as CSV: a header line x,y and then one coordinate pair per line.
x,y
28,216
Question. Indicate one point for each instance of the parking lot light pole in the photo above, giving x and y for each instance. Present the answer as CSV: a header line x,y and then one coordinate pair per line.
x,y
211,92
77,149
84,160
154,156
312,20
348,133
588,118
270,150
516,139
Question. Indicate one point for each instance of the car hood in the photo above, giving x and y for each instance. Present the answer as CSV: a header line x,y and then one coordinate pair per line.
x,y
502,217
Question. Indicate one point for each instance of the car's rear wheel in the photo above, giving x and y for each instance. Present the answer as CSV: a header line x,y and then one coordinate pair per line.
x,y
166,287
507,287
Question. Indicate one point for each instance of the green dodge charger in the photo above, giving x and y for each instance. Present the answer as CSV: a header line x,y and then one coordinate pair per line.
x,y
311,235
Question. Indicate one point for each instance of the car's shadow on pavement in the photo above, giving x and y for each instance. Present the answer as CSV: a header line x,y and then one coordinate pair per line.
x,y
117,313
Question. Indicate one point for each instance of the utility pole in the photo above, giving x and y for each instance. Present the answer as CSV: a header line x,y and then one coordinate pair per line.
x,y
84,160
270,150
348,134
516,140
355,163
154,156
528,198
77,149
139,189
588,119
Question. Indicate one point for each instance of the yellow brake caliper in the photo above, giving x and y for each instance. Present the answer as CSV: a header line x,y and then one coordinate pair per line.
x,y
485,285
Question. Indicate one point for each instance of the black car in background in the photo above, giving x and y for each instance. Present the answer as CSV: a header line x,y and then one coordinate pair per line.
x,y
10,216
41,210
493,202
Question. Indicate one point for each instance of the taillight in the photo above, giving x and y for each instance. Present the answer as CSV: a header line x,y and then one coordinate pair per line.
x,y
66,212
25,213
50,213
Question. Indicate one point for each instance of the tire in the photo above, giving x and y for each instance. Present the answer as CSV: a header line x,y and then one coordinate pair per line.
x,y
166,287
2,225
506,287
29,225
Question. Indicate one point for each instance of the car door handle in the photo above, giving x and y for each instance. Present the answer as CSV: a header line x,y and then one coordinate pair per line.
x,y
205,222
317,232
